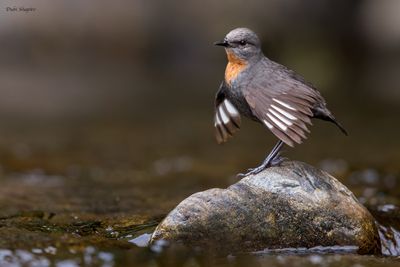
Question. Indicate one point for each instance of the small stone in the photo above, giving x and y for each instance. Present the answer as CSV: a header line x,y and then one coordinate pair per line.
x,y
291,206
141,241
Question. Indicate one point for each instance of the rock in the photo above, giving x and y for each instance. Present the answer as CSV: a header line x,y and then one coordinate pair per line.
x,y
291,206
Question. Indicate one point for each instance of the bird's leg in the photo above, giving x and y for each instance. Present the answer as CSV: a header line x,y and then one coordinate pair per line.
x,y
272,159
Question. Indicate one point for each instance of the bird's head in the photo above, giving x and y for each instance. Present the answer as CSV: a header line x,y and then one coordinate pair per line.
x,y
241,44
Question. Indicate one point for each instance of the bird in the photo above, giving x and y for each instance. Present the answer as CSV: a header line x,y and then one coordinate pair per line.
x,y
267,92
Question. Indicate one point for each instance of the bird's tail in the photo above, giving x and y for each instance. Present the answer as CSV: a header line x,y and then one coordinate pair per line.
x,y
332,119
324,114
339,126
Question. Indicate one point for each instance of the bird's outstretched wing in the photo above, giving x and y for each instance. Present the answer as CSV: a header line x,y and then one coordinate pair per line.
x,y
227,118
281,101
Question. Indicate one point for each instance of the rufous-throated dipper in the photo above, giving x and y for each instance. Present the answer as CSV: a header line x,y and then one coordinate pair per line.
x,y
267,92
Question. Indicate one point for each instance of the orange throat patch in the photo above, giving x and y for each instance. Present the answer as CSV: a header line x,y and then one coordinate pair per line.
x,y
234,67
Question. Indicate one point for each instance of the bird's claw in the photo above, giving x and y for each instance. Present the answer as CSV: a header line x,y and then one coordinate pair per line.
x,y
276,161
241,175
252,171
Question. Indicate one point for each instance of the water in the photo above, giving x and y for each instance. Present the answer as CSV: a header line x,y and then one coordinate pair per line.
x,y
106,123
91,193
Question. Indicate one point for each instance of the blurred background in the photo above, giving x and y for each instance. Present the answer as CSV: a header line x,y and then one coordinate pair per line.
x,y
152,65
106,107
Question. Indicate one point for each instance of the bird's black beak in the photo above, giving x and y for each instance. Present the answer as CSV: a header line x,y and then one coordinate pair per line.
x,y
222,43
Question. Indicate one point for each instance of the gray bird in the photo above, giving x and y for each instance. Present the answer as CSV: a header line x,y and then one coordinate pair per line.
x,y
267,92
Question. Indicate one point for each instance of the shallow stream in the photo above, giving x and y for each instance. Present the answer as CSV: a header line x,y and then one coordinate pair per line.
x,y
78,193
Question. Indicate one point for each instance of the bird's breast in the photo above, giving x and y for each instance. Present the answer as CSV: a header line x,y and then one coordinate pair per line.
x,y
234,67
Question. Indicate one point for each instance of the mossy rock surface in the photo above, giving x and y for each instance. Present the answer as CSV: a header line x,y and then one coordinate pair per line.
x,y
291,206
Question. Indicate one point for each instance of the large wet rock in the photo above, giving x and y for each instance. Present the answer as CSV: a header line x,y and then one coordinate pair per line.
x,y
294,205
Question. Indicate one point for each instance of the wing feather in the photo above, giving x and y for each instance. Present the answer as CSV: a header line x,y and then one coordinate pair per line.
x,y
286,126
227,120
281,102
280,134
232,112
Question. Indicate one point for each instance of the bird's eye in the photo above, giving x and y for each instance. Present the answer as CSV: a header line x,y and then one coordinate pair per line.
x,y
242,42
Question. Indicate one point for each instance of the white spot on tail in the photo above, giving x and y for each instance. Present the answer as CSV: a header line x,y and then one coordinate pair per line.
x,y
281,117
277,122
230,108
285,113
283,104
224,117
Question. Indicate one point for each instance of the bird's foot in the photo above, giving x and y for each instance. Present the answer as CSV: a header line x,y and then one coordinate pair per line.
x,y
275,161
252,171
